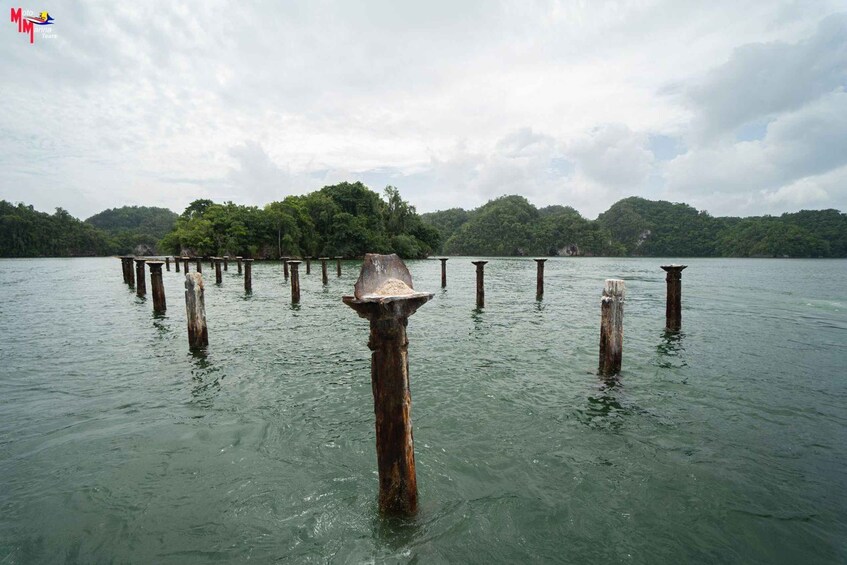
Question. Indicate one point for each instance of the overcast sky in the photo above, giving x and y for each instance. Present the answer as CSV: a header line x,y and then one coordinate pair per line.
x,y
738,108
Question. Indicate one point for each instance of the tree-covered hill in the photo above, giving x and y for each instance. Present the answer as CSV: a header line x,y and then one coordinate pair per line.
x,y
134,229
25,232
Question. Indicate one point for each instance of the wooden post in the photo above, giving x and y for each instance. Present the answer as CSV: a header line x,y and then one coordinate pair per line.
x,y
168,263
156,286
295,281
611,327
673,307
218,276
199,264
141,278
308,265
443,271
385,297
211,262
239,259
285,261
176,263
539,279
323,270
338,265
126,268
195,309
226,262
185,264
480,283
248,275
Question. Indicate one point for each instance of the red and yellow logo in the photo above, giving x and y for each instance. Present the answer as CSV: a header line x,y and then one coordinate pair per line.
x,y
27,21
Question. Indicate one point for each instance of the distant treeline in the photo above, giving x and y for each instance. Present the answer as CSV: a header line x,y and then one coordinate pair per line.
x,y
349,219
510,225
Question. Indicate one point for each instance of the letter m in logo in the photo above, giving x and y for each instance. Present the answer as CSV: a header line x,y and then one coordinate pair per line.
x,y
24,25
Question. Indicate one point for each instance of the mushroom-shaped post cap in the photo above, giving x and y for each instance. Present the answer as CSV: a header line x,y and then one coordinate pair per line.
x,y
323,258
239,257
673,267
338,257
248,260
384,278
539,260
479,262
154,262
442,259
294,262
141,261
226,256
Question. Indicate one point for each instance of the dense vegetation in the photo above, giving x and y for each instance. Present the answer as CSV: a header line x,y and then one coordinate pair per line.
x,y
510,225
134,229
345,219
349,219
25,232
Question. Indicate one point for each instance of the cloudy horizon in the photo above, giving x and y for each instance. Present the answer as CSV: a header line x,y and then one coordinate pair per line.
x,y
738,110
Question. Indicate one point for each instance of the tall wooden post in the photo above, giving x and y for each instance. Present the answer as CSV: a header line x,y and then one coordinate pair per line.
x,y
248,275
218,276
239,259
285,261
611,327
673,307
168,263
199,264
443,271
385,297
323,270
195,309
295,281
226,262
185,261
176,263
539,279
211,262
480,283
157,287
308,265
126,266
338,265
141,278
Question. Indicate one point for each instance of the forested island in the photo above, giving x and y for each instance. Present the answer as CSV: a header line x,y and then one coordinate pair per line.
x,y
349,219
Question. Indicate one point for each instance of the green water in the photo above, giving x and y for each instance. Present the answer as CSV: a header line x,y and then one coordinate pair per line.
x,y
723,444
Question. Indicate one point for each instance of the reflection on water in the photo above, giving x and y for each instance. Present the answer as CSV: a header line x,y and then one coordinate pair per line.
x,y
604,409
206,377
671,350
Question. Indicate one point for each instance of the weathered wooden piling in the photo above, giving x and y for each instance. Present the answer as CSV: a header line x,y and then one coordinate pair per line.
x,y
218,276
385,297
338,265
141,279
248,275
308,265
185,261
324,278
199,264
168,263
611,327
539,279
285,261
195,309
226,262
480,283
673,307
126,268
443,271
176,262
239,259
211,262
295,281
157,287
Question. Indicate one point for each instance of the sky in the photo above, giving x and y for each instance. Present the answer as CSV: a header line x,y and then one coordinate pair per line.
x,y
737,108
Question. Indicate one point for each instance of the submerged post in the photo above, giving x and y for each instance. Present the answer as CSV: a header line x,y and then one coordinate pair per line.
x,y
168,263
156,286
323,270
285,261
199,264
673,308
226,262
176,263
239,259
218,276
480,283
385,297
248,275
539,279
611,327
295,281
308,265
140,275
443,271
338,265
195,309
